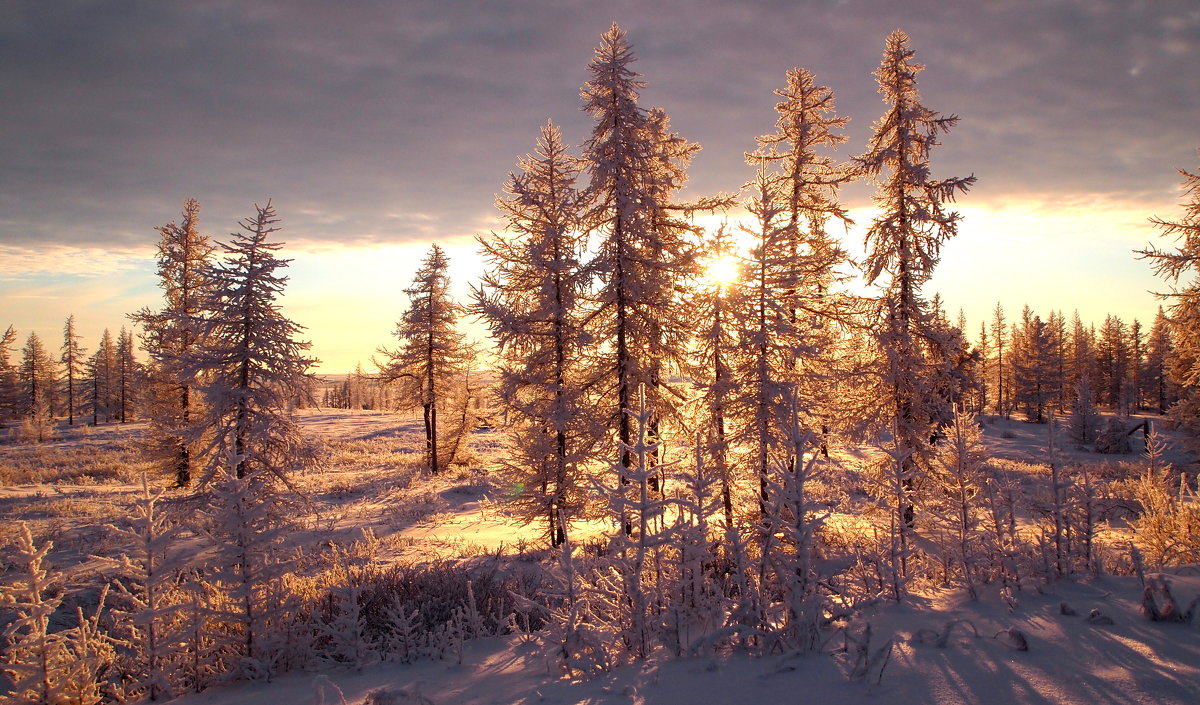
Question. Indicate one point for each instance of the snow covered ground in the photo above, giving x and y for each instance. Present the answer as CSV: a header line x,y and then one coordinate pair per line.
x,y
1070,660
372,481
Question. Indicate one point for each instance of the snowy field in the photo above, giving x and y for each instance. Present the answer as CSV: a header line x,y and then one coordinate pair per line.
x,y
1071,641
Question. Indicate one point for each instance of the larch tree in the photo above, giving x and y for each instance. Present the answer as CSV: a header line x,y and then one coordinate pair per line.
x,y
127,371
1056,323
1081,362
758,406
635,164
170,336
72,359
960,475
9,384
37,377
1035,381
1180,267
903,246
1136,370
714,303
1158,352
102,373
812,263
1112,362
999,335
254,369
431,350
984,346
531,300
252,363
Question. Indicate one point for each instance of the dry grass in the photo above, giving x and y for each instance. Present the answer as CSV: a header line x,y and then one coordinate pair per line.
x,y
73,462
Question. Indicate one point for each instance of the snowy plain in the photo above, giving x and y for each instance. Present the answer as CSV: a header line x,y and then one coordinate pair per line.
x,y
947,649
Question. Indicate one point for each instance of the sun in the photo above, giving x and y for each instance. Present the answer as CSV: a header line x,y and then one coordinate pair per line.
x,y
723,271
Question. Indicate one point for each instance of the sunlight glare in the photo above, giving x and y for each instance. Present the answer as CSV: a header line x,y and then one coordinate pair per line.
x,y
723,271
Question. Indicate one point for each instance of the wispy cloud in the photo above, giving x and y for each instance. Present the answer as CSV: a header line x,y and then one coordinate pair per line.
x,y
23,263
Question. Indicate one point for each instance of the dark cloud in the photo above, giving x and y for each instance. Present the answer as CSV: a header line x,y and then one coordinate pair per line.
x,y
387,122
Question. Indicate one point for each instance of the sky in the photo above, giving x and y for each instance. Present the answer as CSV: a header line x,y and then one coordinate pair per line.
x,y
379,128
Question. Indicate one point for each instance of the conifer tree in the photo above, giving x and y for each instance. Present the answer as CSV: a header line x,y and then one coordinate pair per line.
x,y
1112,363
813,263
531,300
126,375
431,349
9,384
758,411
1136,368
999,335
253,364
1056,324
716,348
170,336
984,347
72,360
903,242
1181,268
1085,418
37,377
1159,389
1035,368
960,476
635,164
149,573
102,373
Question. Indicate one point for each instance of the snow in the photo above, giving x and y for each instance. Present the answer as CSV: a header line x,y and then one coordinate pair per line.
x,y
373,480
1069,662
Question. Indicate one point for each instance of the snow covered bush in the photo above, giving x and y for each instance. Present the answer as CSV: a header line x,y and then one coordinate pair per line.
x,y
1168,526
44,666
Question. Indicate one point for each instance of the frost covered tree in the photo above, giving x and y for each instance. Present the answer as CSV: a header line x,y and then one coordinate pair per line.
x,y
44,665
72,361
960,476
1035,379
715,348
126,375
999,335
984,347
149,570
252,363
9,384
791,520
254,369
531,300
811,264
170,335
431,349
760,383
1085,418
631,587
635,165
37,377
1159,388
1181,267
1112,357
903,244
102,372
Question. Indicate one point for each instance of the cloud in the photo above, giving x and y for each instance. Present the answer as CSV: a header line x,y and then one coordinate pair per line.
x,y
349,114
18,263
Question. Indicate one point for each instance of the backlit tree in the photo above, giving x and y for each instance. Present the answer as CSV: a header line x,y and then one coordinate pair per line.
x,y
171,334
431,349
903,246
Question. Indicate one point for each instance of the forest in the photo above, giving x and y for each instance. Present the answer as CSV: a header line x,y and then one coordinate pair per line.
x,y
702,441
